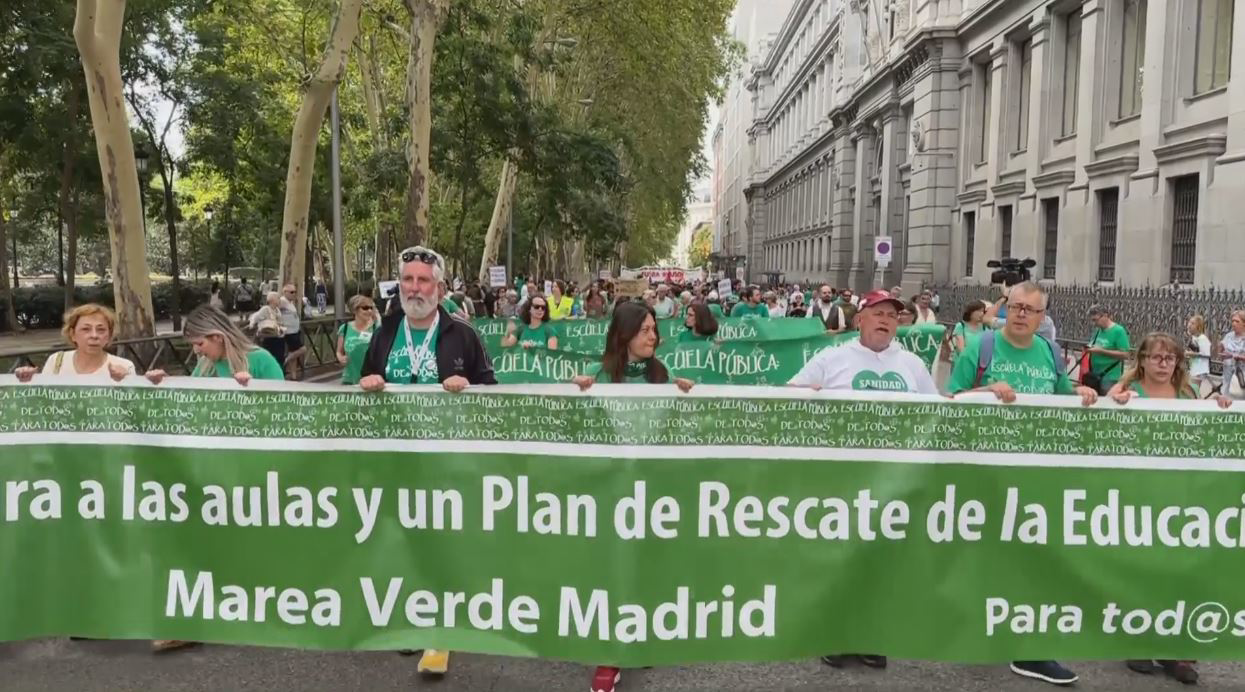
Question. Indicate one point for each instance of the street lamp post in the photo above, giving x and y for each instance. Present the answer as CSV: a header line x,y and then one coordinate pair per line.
x,y
141,160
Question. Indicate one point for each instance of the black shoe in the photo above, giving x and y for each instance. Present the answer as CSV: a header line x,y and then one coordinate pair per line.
x,y
835,660
1145,667
1180,670
872,660
409,652
1046,671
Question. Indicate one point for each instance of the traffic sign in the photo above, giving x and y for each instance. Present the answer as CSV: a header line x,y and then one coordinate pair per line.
x,y
883,249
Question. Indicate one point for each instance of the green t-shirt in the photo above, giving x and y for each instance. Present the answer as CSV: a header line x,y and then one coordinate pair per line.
x,y
691,336
1136,387
743,309
355,347
259,363
1029,371
1113,338
449,305
637,373
716,310
539,336
398,367
970,334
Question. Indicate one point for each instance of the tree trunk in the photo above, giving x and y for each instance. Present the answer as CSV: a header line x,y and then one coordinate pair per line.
x,y
71,250
502,209
97,32
304,139
170,216
69,151
6,294
426,17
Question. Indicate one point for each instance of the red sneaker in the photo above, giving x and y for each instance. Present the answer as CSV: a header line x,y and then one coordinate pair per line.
x,y
605,679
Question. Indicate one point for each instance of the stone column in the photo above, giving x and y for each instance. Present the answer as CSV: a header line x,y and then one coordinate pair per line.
x,y
936,106
1026,236
1219,250
889,175
860,277
844,207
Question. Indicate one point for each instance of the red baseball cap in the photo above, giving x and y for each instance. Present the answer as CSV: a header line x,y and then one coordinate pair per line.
x,y
878,297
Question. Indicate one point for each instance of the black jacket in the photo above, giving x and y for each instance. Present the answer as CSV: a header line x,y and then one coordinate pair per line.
x,y
459,350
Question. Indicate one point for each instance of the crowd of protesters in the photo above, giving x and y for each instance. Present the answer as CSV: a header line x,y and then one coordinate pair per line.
x,y
425,336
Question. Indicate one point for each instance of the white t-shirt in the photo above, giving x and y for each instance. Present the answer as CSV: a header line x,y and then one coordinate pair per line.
x,y
1199,365
66,366
926,318
852,366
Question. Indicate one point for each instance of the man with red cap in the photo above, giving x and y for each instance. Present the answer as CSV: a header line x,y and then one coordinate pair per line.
x,y
874,361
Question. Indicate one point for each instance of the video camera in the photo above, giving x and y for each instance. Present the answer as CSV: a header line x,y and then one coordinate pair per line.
x,y
1011,271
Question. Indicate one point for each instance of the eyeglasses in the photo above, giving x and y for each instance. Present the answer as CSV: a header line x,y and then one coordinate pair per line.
x,y
422,254
1023,310
367,307
1163,358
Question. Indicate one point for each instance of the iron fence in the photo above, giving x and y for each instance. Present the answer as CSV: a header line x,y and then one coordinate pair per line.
x,y
1140,310
171,352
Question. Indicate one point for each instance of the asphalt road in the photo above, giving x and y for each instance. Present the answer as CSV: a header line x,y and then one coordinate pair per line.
x,y
85,666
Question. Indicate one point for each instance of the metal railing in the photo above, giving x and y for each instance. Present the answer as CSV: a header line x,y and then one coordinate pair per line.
x,y
171,352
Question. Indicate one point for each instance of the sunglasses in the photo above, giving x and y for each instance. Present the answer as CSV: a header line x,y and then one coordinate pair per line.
x,y
367,307
537,307
421,254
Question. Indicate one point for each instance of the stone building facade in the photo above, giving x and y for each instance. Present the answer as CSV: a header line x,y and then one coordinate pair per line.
x,y
1105,139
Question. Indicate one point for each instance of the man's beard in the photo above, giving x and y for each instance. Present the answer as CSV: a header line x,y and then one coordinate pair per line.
x,y
418,307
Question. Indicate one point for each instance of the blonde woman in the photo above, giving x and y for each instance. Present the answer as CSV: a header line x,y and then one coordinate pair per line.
x,y
268,327
1160,371
223,350
354,336
89,329
1199,352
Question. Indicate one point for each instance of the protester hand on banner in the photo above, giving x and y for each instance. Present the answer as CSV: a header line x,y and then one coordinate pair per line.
x,y
684,385
1002,391
156,376
242,377
372,383
455,384
24,375
584,382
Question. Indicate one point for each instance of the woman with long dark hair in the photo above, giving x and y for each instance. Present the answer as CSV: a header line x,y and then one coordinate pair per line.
x,y
631,351
700,324
630,357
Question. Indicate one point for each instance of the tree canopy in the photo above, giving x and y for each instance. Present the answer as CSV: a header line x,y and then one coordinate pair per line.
x,y
606,138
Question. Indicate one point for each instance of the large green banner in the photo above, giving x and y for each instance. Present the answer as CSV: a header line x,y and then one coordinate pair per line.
x,y
733,359
588,336
631,525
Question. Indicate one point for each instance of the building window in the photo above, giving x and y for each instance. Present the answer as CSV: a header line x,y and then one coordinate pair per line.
x,y
1071,71
1132,57
1026,83
1050,240
1184,229
983,144
970,239
1213,46
1005,231
1108,222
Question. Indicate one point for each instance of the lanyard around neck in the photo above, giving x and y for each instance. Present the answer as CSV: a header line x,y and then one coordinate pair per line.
x,y
418,357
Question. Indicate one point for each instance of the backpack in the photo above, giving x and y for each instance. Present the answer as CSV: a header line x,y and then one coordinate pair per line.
x,y
985,356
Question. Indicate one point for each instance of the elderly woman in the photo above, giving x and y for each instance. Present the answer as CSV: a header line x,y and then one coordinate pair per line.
x,y
89,329
269,328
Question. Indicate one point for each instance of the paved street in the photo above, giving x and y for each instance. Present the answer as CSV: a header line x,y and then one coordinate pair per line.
x,y
87,666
